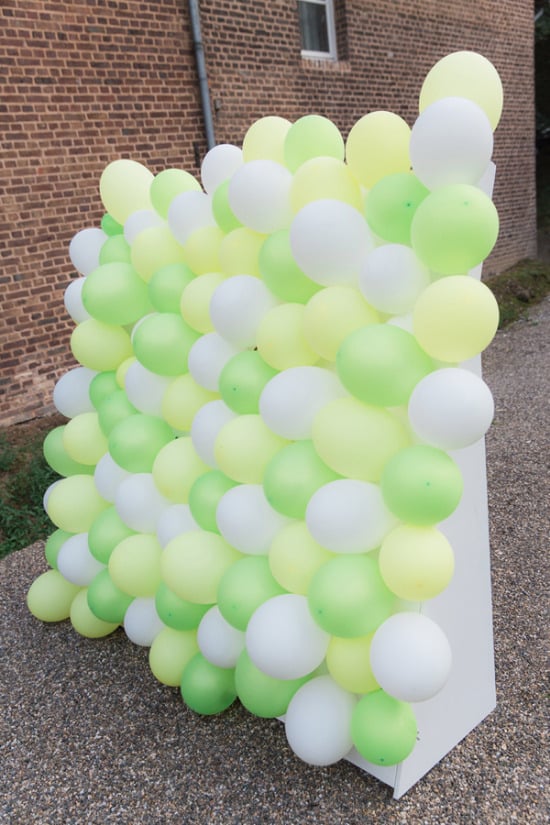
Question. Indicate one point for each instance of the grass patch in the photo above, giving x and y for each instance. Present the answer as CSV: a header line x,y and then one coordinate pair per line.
x,y
521,286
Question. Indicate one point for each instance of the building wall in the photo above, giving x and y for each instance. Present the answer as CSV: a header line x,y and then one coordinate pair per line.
x,y
85,82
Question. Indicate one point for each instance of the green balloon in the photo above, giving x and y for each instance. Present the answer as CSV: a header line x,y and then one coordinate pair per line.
x,y
162,343
115,249
454,229
106,532
381,364
242,380
54,544
391,204
206,688
293,475
105,600
281,273
113,409
167,184
110,226
204,497
135,442
58,458
102,385
223,214
383,729
177,613
261,694
166,286
244,586
312,136
421,485
347,596
115,294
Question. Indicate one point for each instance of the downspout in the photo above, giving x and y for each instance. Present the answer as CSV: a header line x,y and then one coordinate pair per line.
x,y
194,15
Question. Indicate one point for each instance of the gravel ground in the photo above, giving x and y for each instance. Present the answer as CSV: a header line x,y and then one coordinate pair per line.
x,y
87,735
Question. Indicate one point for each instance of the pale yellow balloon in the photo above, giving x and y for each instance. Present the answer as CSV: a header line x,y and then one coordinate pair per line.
x,y
331,315
50,597
295,556
124,188
465,74
176,468
85,622
202,249
324,178
244,447
100,346
378,145
154,248
281,340
265,139
170,652
134,565
348,662
416,563
193,564
182,400
122,369
195,300
74,503
83,438
240,252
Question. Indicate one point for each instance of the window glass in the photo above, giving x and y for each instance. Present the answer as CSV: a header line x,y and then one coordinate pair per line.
x,y
314,26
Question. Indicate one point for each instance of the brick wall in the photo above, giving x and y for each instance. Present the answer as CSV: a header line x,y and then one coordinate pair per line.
x,y
85,82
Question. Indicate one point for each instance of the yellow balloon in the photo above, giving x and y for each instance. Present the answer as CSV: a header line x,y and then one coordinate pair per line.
x,y
170,652
455,318
244,447
50,597
195,300
176,468
202,249
240,252
154,248
356,439
348,662
324,178
134,565
74,503
83,438
120,376
100,346
416,563
265,139
193,564
295,556
465,74
182,400
378,145
332,314
85,622
281,340
124,188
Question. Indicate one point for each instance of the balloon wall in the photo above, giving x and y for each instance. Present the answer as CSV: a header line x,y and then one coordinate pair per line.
x,y
257,456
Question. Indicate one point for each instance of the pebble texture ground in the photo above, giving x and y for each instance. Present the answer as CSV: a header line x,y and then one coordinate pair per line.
x,y
87,735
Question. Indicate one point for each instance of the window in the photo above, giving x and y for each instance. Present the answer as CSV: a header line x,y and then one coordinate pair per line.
x,y
317,28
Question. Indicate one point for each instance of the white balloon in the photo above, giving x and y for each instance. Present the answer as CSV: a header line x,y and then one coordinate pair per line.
x,y
207,358
283,640
108,475
138,221
145,389
410,657
403,322
76,563
219,642
259,195
392,278
174,521
84,249
451,408
349,516
219,164
71,393
247,520
141,621
237,307
329,239
206,425
188,212
139,503
318,721
451,142
290,400
73,301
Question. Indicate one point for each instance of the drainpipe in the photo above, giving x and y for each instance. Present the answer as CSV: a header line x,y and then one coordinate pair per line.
x,y
194,15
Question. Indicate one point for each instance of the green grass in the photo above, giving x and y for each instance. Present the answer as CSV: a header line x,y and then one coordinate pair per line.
x,y
521,286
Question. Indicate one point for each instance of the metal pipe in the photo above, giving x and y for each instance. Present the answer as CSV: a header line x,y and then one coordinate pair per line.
x,y
194,15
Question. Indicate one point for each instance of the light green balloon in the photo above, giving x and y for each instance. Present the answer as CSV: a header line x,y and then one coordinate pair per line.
x,y
54,543
206,688
102,385
205,495
383,729
115,294
134,565
169,183
176,612
281,273
114,408
391,204
110,226
57,457
162,343
244,587
261,694
74,503
135,441
312,136
115,248
84,621
193,565
106,532
50,597
293,475
223,214
166,286
242,380
106,601
170,654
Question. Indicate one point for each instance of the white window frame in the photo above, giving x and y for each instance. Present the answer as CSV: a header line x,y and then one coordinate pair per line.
x,y
331,32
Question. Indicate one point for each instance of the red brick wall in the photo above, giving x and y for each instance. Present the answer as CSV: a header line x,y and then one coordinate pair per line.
x,y
85,82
